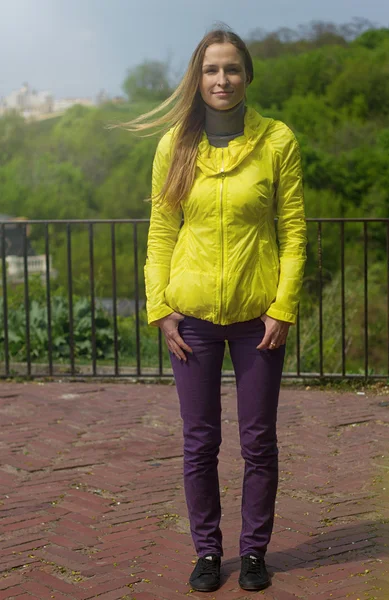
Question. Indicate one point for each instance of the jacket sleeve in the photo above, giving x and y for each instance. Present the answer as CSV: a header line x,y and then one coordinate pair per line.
x,y
163,232
292,237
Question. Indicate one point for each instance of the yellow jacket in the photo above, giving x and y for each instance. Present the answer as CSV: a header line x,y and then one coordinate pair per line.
x,y
224,264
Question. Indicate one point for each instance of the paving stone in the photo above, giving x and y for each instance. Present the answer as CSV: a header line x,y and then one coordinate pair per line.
x,y
92,502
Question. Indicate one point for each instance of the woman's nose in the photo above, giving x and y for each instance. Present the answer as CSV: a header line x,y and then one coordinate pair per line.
x,y
222,79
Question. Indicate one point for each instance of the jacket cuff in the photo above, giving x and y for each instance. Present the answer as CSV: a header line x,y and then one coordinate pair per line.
x,y
158,313
281,315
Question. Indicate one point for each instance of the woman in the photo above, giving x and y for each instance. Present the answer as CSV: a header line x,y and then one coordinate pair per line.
x,y
222,276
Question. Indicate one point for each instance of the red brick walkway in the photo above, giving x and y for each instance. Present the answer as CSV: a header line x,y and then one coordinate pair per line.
x,y
92,502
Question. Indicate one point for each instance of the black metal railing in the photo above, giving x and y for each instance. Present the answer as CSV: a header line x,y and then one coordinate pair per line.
x,y
336,336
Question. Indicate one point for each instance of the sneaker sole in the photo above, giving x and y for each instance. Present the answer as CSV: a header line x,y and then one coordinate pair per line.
x,y
208,589
255,588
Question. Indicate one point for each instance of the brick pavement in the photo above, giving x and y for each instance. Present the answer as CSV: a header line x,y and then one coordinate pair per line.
x,y
92,503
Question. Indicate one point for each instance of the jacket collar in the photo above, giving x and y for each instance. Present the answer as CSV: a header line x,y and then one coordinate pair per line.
x,y
209,157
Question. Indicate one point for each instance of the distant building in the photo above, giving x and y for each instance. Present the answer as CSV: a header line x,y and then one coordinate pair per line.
x,y
65,103
34,105
124,306
14,252
28,101
118,100
102,97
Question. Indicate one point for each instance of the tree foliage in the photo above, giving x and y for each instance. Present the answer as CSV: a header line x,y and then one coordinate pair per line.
x,y
148,81
329,83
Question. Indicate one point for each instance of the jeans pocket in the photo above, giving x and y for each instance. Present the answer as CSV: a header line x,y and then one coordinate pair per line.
x,y
181,321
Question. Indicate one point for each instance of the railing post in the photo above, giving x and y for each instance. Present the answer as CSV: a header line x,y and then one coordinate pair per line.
x,y
26,299
5,299
48,301
114,299
343,300
387,289
160,353
366,314
320,270
298,365
92,297
70,297
136,278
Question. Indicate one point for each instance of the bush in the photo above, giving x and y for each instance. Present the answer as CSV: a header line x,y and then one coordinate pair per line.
x,y
60,330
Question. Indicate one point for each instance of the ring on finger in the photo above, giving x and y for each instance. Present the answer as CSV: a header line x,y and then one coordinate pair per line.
x,y
272,345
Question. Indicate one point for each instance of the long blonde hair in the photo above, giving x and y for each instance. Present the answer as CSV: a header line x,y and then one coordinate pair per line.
x,y
187,116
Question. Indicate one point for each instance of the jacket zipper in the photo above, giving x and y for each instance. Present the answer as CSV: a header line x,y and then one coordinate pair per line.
x,y
221,235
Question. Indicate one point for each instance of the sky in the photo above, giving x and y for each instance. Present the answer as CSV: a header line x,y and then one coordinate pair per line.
x,y
75,48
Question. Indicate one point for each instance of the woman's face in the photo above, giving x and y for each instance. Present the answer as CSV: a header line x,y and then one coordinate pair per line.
x,y
223,79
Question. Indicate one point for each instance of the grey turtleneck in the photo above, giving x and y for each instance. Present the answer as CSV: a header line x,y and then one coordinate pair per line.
x,y
221,126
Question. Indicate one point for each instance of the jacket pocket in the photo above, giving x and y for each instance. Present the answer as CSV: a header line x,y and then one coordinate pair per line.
x,y
273,248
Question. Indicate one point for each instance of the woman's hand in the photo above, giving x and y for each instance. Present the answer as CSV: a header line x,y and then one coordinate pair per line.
x,y
169,328
276,333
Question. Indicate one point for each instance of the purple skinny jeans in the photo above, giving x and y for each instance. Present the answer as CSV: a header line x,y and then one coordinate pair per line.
x,y
198,381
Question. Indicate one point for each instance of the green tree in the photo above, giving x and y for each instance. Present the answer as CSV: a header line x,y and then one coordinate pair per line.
x,y
372,38
13,133
364,80
148,81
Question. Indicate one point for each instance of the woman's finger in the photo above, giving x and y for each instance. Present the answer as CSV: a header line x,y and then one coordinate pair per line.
x,y
271,341
180,342
265,341
176,350
276,333
274,344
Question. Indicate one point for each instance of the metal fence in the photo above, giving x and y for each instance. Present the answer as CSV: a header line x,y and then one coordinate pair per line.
x,y
372,236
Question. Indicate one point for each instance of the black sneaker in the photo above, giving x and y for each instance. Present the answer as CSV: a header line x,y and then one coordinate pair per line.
x,y
253,573
206,574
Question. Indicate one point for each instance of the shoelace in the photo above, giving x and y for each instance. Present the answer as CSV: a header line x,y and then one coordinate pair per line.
x,y
253,565
207,566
